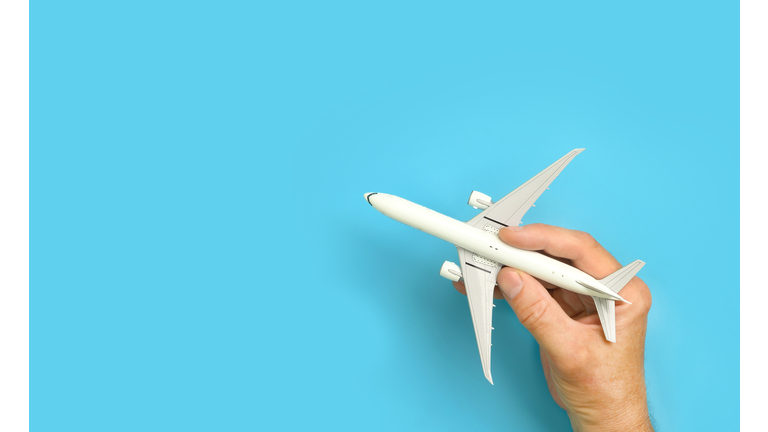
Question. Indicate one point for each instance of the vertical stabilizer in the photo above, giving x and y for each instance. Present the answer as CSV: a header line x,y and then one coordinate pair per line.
x,y
606,309
616,280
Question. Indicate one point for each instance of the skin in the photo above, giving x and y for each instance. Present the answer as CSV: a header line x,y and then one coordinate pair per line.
x,y
600,384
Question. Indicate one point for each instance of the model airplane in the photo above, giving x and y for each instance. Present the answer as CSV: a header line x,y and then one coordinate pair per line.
x,y
482,253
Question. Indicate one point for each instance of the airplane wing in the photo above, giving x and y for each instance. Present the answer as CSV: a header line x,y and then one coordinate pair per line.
x,y
509,210
479,275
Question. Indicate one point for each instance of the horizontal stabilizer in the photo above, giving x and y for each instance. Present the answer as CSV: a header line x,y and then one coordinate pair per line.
x,y
621,277
606,310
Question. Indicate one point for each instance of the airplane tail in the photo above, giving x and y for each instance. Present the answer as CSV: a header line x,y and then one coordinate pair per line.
x,y
616,280
606,309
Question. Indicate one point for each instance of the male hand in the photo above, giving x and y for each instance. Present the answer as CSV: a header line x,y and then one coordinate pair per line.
x,y
600,384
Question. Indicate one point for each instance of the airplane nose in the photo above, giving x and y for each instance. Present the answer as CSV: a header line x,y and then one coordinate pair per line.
x,y
368,196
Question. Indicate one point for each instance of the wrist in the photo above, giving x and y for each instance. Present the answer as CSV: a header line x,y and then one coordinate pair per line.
x,y
632,417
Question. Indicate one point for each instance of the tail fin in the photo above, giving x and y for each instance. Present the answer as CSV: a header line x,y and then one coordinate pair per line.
x,y
606,309
621,277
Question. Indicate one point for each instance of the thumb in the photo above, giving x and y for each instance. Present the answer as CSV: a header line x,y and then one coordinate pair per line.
x,y
536,309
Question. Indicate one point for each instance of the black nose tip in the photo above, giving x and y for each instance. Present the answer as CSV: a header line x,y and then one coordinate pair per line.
x,y
368,197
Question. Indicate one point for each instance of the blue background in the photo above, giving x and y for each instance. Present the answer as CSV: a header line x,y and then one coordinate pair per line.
x,y
203,259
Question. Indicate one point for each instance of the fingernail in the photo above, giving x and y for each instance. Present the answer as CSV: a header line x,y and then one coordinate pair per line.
x,y
515,228
511,284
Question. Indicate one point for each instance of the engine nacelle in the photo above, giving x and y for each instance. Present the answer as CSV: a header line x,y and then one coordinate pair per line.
x,y
479,200
450,271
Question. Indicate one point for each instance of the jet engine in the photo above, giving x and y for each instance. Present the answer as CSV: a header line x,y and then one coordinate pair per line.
x,y
450,271
479,200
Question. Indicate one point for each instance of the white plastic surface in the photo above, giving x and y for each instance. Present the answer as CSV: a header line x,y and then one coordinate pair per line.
x,y
606,309
450,271
482,253
479,200
480,280
489,246
509,211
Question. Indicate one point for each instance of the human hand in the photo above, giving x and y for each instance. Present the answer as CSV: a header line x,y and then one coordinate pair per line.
x,y
600,384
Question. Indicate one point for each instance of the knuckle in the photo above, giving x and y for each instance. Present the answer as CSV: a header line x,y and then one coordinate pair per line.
x,y
586,238
532,316
644,298
460,288
640,296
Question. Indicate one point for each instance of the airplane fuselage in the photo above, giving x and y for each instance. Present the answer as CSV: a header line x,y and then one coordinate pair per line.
x,y
487,244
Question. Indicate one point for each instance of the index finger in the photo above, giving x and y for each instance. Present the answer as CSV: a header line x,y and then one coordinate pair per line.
x,y
579,247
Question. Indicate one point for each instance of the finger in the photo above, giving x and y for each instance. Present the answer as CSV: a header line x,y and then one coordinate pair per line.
x,y
536,309
584,252
547,285
579,247
637,292
589,303
569,301
462,289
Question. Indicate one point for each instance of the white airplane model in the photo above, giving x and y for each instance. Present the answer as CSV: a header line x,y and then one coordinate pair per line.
x,y
482,253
